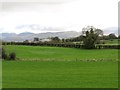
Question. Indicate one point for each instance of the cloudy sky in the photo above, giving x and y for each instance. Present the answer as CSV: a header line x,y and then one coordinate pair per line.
x,y
56,15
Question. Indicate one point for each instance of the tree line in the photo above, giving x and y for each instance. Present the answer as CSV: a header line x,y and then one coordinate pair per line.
x,y
90,39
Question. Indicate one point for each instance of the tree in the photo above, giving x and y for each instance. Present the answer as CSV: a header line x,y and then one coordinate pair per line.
x,y
112,36
88,28
55,39
63,40
90,39
104,37
26,41
119,37
36,39
99,32
75,39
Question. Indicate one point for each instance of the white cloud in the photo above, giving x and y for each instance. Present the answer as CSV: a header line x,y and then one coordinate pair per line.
x,y
68,14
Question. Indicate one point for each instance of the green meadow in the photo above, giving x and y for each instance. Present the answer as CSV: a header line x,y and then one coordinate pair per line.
x,y
29,74
42,53
111,42
57,67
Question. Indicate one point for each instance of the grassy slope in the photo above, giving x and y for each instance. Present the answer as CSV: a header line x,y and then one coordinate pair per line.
x,y
58,53
26,74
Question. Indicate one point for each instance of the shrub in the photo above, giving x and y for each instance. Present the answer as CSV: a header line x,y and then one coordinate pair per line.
x,y
103,42
4,54
12,56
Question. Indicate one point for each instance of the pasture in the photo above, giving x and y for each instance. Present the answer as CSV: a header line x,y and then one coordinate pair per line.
x,y
29,74
111,42
57,67
42,53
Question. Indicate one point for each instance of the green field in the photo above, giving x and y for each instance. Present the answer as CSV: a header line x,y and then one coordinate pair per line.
x,y
111,42
61,54
55,67
26,74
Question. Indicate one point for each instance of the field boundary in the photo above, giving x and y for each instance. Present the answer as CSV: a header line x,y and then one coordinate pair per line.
x,y
69,45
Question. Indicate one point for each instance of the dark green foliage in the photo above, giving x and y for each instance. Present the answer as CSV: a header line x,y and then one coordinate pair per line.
x,y
4,54
112,36
63,40
55,39
12,56
36,39
99,32
75,39
90,39
119,37
67,44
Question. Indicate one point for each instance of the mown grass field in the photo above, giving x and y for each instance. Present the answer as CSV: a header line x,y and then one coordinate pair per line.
x,y
55,67
61,54
26,74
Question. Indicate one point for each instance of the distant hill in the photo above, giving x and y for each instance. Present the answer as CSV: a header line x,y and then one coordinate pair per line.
x,y
30,36
25,33
4,35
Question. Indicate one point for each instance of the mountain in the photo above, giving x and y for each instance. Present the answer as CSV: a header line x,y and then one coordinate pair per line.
x,y
30,36
4,35
25,33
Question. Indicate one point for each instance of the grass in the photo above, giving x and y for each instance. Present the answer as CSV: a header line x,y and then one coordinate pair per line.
x,y
61,54
57,67
111,42
29,74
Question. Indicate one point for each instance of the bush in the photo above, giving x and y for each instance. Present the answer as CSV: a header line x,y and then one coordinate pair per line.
x,y
103,42
12,56
4,54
